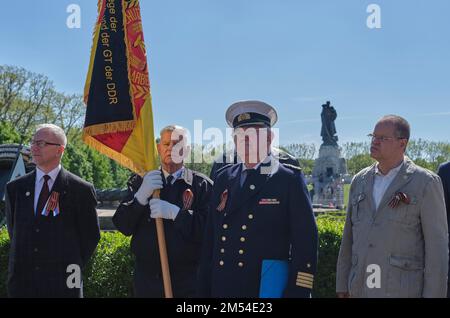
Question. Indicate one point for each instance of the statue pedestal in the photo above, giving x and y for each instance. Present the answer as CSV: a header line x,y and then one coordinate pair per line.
x,y
328,173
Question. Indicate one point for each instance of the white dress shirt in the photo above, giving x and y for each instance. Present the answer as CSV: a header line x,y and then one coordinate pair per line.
x,y
381,183
176,175
274,164
40,182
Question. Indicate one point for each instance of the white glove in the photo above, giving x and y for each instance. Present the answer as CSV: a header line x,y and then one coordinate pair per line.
x,y
163,209
151,182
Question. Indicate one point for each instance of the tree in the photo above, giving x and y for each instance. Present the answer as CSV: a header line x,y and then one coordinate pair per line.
x,y
101,168
301,150
201,157
120,175
12,81
358,162
352,149
28,99
8,135
68,112
76,160
307,165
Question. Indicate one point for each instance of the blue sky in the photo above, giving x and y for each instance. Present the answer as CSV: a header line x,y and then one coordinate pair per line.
x,y
293,54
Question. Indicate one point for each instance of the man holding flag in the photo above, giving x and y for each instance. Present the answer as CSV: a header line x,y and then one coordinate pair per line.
x,y
119,124
183,206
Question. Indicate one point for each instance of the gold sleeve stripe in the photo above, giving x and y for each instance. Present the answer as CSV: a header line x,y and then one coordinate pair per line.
x,y
304,282
305,274
309,286
305,279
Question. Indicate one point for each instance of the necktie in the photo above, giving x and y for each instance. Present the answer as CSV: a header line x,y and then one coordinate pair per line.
x,y
43,196
169,180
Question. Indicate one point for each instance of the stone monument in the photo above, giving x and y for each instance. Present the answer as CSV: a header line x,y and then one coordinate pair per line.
x,y
330,168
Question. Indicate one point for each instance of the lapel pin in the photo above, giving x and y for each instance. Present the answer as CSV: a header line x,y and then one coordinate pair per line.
x,y
223,200
188,198
52,204
27,193
397,198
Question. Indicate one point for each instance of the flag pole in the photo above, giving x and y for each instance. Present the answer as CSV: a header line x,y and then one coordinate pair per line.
x,y
163,253
118,75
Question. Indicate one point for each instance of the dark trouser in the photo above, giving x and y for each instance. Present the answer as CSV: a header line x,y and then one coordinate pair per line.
x,y
448,290
42,288
148,284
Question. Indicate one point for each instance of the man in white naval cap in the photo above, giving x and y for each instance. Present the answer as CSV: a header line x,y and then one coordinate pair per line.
x,y
261,236
256,110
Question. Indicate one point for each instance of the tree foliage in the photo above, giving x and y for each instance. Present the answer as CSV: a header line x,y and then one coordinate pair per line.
x,y
8,134
28,99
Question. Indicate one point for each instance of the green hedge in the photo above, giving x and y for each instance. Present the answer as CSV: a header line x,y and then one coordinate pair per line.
x,y
4,250
109,273
330,235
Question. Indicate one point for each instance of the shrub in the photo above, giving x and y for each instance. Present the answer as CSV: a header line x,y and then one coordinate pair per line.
x,y
109,272
4,251
330,235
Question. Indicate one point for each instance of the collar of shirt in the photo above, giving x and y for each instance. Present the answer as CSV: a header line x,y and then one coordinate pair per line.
x,y
269,165
53,174
265,161
382,182
176,175
40,182
391,173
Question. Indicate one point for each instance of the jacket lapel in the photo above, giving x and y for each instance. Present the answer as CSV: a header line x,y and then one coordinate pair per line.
x,y
28,193
234,188
368,188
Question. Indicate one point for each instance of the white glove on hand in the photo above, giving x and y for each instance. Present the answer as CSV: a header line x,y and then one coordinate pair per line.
x,y
163,209
151,182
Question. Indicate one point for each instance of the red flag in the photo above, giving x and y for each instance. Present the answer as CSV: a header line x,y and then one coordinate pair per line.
x,y
119,118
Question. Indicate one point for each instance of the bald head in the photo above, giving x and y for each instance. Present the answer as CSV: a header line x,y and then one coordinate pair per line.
x,y
56,132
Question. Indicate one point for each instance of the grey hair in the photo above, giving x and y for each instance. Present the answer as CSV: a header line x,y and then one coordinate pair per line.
x,y
401,125
172,128
56,130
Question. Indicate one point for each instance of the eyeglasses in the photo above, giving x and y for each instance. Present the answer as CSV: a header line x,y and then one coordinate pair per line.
x,y
42,143
382,138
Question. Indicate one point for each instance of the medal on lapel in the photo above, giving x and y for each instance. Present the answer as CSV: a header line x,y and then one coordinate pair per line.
x,y
188,198
397,198
223,200
52,205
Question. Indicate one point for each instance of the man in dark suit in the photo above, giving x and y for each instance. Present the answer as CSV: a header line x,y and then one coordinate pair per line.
x,y
444,174
183,205
52,223
261,236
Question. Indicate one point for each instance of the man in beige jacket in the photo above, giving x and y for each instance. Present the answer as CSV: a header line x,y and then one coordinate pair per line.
x,y
395,241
